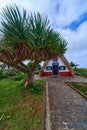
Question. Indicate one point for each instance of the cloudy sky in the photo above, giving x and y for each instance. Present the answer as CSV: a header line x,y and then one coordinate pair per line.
x,y
68,17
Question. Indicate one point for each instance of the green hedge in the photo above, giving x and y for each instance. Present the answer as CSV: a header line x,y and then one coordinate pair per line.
x,y
81,72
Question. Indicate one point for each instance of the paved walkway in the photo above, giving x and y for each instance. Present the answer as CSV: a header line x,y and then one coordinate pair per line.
x,y
68,109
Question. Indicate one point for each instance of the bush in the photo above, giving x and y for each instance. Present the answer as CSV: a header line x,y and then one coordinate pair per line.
x,y
85,75
3,74
81,72
11,72
1,71
77,73
19,76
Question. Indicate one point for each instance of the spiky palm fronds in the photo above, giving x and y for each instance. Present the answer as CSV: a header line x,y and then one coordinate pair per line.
x,y
33,30
40,30
43,36
56,43
14,26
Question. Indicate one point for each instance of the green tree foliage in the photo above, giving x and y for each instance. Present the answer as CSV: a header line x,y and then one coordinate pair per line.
x,y
28,37
74,65
37,69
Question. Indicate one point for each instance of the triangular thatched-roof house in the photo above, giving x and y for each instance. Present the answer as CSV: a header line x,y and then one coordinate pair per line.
x,y
57,66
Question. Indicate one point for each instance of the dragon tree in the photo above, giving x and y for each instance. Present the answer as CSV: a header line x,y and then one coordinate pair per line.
x,y
27,37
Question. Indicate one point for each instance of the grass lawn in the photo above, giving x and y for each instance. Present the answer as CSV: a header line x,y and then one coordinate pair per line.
x,y
82,87
21,109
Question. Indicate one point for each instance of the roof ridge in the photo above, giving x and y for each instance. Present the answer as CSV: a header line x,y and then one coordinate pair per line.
x,y
45,63
67,64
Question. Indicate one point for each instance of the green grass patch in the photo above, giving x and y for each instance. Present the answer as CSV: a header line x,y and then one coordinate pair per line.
x,y
20,109
81,72
82,87
36,90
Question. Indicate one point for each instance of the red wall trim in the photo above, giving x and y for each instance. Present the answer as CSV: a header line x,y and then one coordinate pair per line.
x,y
66,74
61,74
46,74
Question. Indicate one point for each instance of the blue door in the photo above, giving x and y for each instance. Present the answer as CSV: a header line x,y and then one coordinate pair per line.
x,y
55,68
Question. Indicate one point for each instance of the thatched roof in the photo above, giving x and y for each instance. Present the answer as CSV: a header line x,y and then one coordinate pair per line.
x,y
67,64
43,67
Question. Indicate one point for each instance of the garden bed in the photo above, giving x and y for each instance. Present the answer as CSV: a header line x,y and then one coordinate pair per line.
x,y
80,87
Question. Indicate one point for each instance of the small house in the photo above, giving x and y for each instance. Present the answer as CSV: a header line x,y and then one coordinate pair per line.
x,y
57,66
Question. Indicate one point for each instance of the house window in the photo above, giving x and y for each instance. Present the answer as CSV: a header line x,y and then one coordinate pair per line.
x,y
62,67
49,68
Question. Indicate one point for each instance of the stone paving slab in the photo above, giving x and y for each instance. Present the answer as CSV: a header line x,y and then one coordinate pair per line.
x,y
68,109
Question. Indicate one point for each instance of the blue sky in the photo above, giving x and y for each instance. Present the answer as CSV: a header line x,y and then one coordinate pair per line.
x,y
68,17
75,24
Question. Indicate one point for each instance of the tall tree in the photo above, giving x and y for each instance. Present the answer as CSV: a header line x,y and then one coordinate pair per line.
x,y
74,65
28,37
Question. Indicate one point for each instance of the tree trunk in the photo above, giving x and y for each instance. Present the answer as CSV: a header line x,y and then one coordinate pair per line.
x,y
30,77
29,80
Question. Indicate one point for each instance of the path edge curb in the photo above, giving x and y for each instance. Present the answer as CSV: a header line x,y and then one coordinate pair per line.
x,y
47,114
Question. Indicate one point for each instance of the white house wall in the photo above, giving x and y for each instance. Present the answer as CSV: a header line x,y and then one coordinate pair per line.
x,y
49,64
61,63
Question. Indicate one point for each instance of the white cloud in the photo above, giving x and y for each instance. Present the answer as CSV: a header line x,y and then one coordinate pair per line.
x,y
77,44
62,13
70,10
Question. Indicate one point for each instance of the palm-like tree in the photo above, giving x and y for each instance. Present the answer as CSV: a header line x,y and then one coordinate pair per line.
x,y
74,65
28,37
